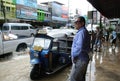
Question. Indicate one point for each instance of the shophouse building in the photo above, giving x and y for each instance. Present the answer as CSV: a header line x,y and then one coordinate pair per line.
x,y
53,13
7,10
59,13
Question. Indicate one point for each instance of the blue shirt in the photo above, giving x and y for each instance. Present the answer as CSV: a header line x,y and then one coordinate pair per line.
x,y
114,34
81,44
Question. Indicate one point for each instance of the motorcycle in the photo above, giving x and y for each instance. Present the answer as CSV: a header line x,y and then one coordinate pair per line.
x,y
46,57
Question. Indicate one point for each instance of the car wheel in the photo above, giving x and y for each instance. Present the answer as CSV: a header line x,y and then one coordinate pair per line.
x,y
32,35
21,48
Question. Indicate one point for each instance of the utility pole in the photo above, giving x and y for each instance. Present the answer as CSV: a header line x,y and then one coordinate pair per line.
x,y
100,21
50,10
68,13
3,10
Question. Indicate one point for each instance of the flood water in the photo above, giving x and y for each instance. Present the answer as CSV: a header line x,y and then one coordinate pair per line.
x,y
105,66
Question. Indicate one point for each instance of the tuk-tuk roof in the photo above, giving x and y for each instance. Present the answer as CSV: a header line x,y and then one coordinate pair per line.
x,y
44,36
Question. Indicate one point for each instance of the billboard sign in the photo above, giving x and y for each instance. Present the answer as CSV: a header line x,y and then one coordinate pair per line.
x,y
26,9
29,3
64,12
93,15
26,12
56,10
59,12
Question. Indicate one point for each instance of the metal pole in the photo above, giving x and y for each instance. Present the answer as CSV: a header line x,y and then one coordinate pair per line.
x,y
100,21
92,32
68,14
50,10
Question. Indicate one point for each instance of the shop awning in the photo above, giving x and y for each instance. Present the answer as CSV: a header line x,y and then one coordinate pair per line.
x,y
108,8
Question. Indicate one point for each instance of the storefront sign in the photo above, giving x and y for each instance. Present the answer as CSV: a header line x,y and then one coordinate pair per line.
x,y
26,12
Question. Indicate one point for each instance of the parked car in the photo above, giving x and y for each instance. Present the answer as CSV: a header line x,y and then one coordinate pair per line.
x,y
23,29
47,28
11,43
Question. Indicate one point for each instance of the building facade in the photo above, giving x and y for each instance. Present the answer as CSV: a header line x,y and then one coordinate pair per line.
x,y
9,7
54,13
43,14
59,13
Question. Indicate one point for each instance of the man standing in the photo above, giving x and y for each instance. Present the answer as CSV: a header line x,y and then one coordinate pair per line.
x,y
98,40
114,37
79,52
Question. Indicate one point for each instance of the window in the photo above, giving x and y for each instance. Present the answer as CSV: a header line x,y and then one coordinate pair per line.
x,y
42,42
15,27
55,46
31,27
5,28
8,9
13,9
45,14
24,27
38,14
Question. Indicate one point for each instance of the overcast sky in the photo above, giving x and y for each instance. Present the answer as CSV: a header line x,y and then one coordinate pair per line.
x,y
82,5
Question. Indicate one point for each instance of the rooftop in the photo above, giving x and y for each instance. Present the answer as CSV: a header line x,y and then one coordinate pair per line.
x,y
46,3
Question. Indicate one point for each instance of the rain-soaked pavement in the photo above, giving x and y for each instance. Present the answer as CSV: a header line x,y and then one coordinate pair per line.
x,y
105,66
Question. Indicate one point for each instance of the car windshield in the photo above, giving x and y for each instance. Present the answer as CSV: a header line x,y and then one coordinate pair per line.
x,y
42,42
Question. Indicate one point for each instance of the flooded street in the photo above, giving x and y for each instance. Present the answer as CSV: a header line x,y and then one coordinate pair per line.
x,y
18,68
105,66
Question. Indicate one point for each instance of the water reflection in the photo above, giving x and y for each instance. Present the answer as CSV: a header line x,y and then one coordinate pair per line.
x,y
103,64
91,70
113,50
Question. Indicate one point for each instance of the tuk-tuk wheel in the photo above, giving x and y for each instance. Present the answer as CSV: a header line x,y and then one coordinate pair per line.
x,y
35,74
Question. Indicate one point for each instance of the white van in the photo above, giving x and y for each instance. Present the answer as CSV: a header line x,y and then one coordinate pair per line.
x,y
20,29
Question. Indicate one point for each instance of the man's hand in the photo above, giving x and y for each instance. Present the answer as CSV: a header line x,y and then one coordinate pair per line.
x,y
74,59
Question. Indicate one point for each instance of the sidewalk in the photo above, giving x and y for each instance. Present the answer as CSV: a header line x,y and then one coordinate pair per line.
x,y
105,65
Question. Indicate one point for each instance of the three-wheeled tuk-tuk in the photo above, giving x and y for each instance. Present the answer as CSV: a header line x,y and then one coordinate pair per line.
x,y
48,55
